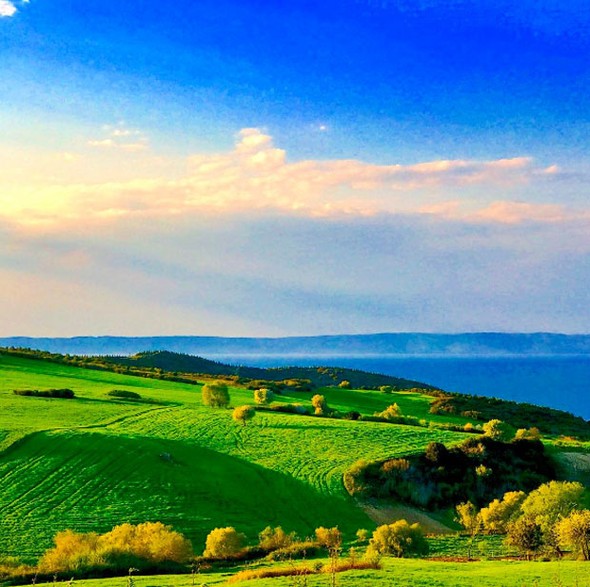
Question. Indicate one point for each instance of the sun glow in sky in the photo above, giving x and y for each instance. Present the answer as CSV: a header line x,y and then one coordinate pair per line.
x,y
255,168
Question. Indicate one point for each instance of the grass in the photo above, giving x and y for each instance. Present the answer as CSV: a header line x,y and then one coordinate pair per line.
x,y
93,462
96,461
396,573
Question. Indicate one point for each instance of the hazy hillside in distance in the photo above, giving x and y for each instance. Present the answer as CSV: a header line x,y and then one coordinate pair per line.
x,y
484,343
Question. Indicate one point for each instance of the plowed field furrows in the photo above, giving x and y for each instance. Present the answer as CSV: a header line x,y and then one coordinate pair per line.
x,y
93,462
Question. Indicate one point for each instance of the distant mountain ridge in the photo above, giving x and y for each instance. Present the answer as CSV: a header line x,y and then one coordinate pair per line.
x,y
412,343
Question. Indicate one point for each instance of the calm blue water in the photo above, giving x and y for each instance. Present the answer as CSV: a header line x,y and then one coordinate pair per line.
x,y
561,382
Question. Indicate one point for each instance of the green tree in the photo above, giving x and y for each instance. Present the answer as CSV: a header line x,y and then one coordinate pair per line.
x,y
391,412
498,430
242,414
469,518
275,538
496,517
320,405
398,539
224,543
263,396
574,531
526,535
551,502
215,394
328,537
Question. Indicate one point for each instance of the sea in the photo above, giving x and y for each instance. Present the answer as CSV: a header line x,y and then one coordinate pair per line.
x,y
556,381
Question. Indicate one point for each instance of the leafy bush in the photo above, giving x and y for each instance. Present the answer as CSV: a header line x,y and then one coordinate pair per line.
x,y
263,396
142,545
320,405
242,414
124,394
399,539
59,393
215,394
392,412
224,543
328,537
295,550
274,538
478,470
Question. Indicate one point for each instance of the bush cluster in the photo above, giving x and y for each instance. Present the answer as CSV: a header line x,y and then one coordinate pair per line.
x,y
478,470
60,393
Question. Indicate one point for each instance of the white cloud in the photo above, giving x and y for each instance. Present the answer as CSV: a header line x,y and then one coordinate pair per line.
x,y
7,8
120,137
256,177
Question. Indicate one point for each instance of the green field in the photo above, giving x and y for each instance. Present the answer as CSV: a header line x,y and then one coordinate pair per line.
x,y
93,462
397,573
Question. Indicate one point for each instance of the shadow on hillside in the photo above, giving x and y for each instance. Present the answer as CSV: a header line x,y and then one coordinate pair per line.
x,y
92,481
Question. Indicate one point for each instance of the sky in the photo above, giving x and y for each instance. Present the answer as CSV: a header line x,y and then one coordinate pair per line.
x,y
257,168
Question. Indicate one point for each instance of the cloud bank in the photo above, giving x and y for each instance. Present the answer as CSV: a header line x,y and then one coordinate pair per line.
x,y
256,177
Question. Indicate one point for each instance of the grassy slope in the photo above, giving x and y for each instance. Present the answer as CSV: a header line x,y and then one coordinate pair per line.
x,y
95,462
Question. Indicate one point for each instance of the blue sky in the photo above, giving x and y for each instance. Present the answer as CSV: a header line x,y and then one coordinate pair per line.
x,y
269,168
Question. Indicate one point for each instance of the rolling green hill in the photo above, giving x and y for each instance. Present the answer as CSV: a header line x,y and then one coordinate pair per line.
x,y
94,461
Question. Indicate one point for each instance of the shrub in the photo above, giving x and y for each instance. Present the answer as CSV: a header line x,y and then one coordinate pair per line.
x,y
344,384
124,394
295,550
215,394
224,543
320,405
58,393
399,539
242,414
528,434
263,396
498,430
328,537
148,543
392,412
275,538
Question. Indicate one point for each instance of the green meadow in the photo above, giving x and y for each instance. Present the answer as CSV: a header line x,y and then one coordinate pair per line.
x,y
93,462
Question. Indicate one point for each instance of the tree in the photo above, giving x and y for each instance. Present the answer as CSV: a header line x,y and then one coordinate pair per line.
x,y
242,414
550,502
215,394
263,396
574,531
399,539
320,405
470,519
344,384
526,535
391,412
498,430
275,538
328,537
224,543
527,434
496,517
